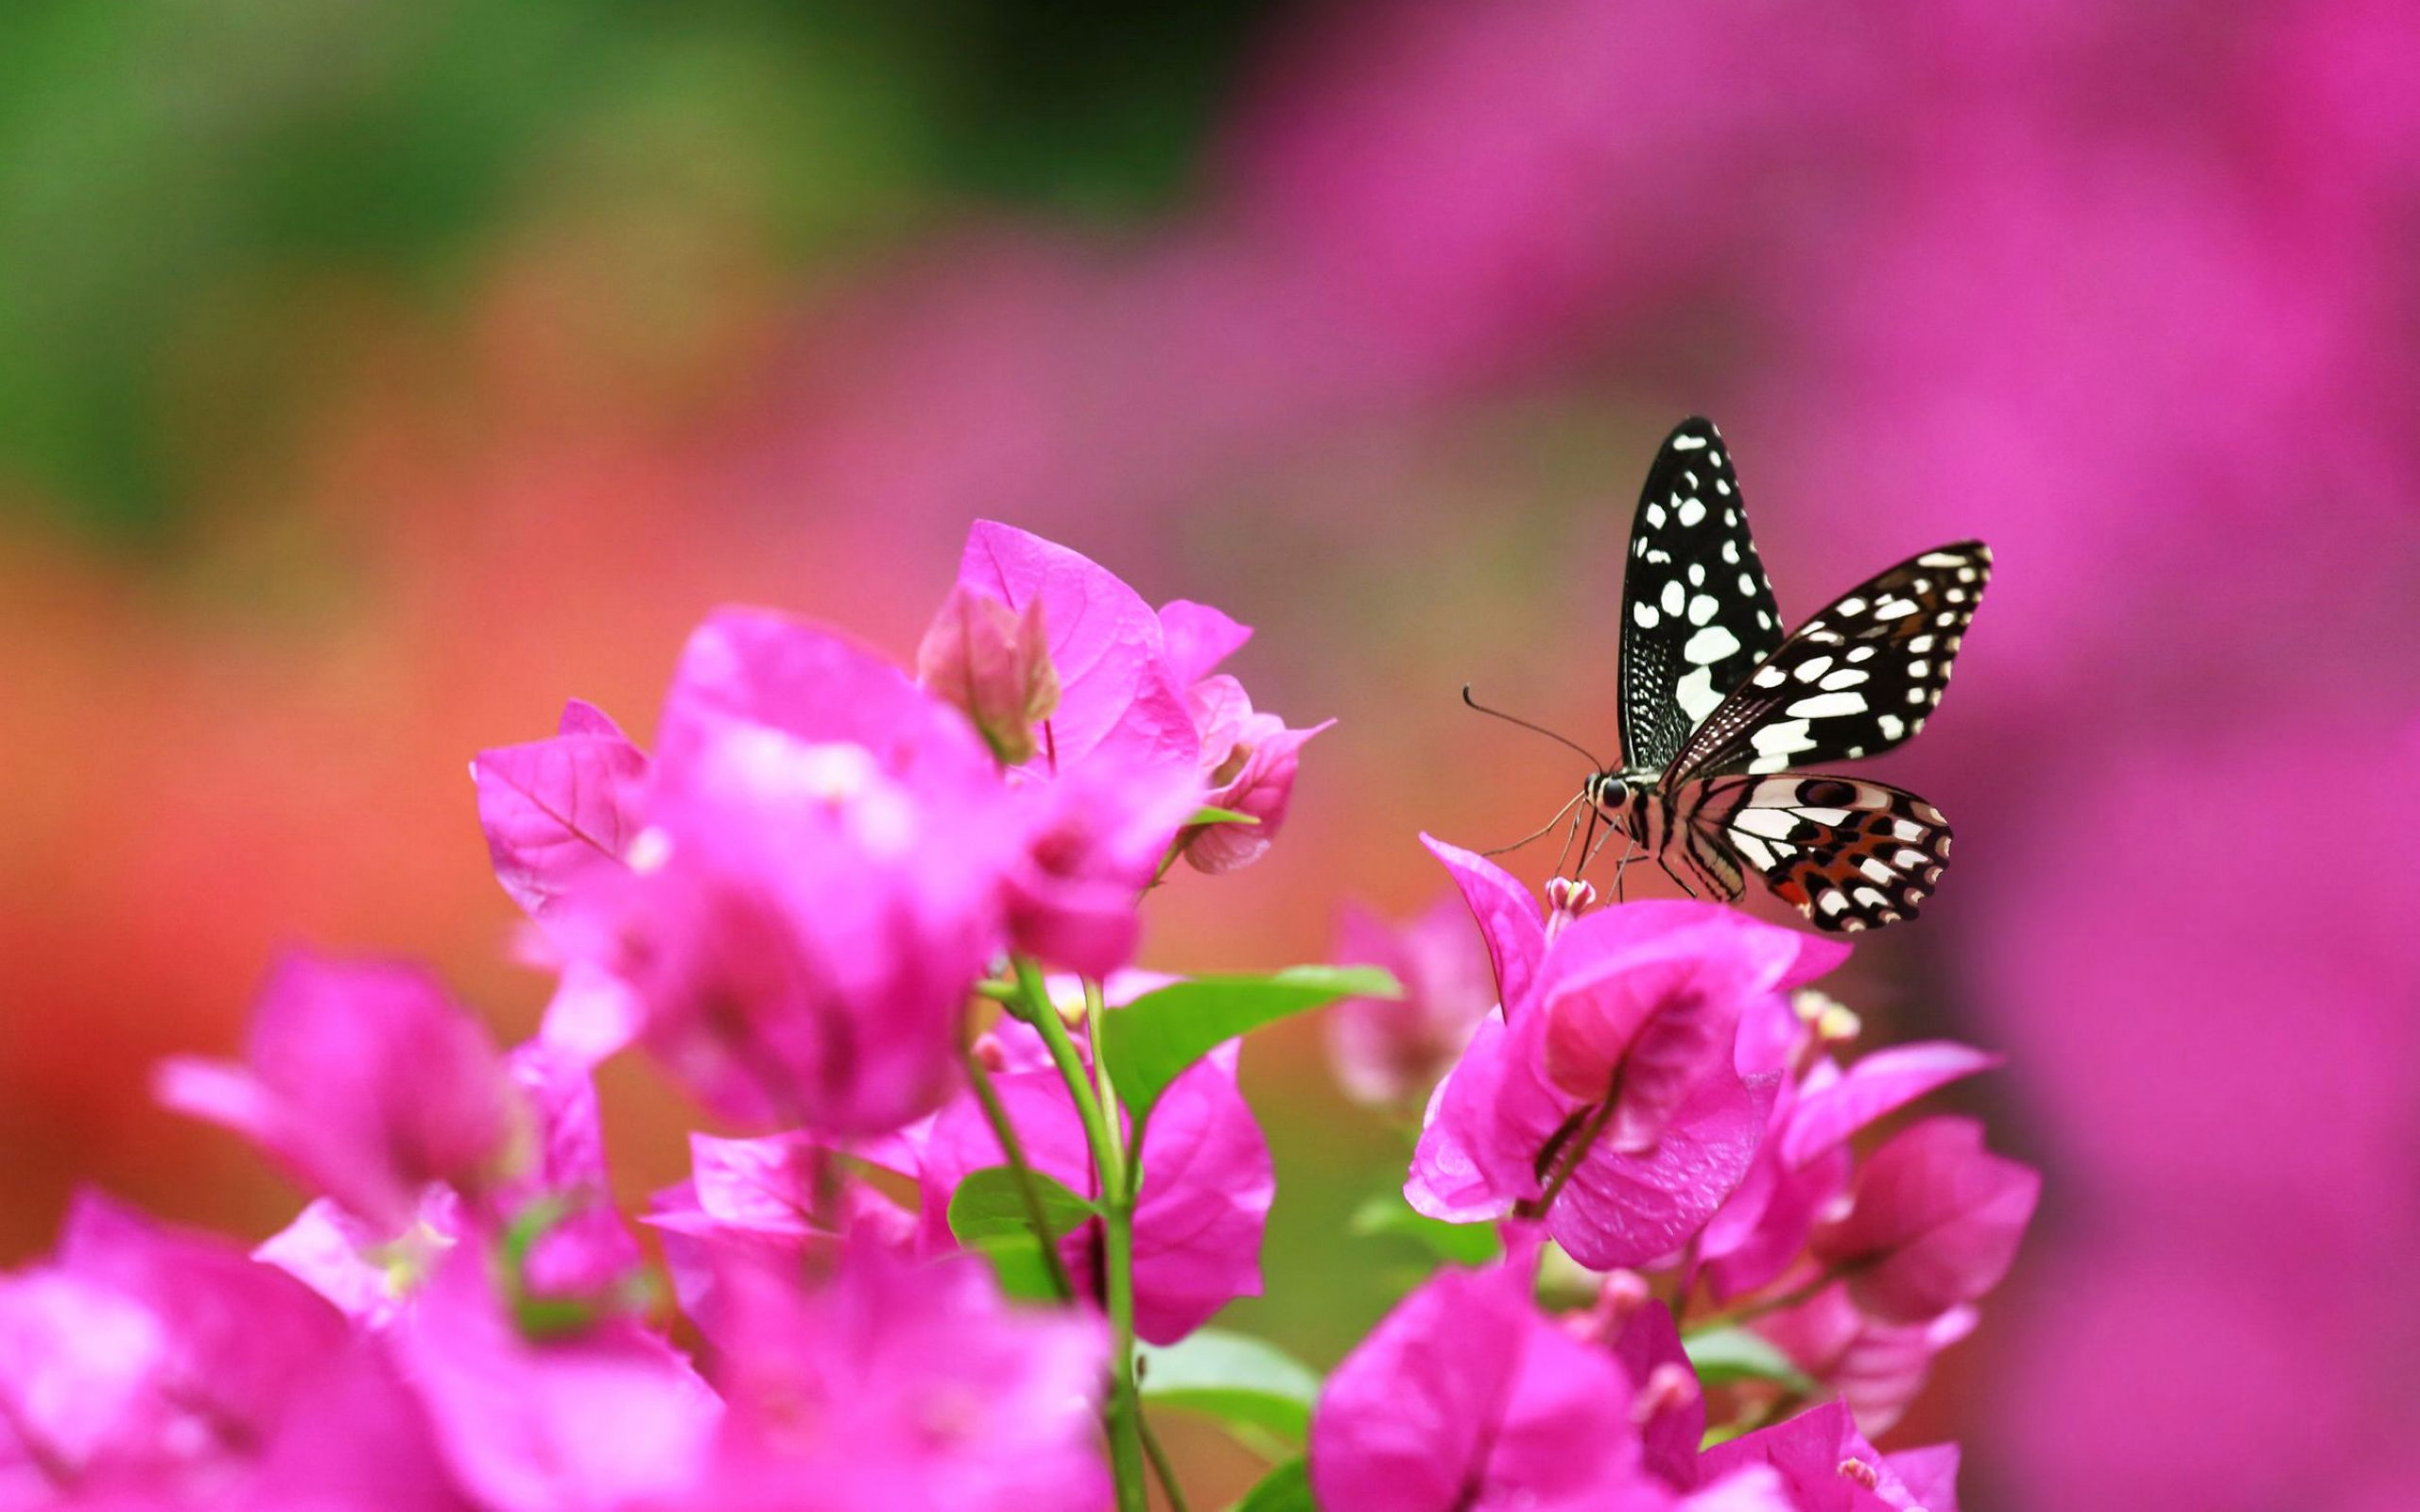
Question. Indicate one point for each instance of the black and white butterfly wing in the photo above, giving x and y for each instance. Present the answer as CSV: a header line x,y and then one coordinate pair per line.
x,y
1848,853
1697,614
1857,680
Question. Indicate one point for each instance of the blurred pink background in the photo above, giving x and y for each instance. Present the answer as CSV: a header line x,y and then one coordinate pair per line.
x,y
321,470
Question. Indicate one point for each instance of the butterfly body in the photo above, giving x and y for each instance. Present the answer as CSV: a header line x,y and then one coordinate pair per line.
x,y
1720,710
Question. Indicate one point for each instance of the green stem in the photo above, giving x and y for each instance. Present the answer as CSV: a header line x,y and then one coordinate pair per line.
x,y
1006,1132
1122,1416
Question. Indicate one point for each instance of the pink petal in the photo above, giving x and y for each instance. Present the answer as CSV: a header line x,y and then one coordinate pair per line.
x,y
1628,1210
1878,1086
555,811
1510,919
1116,693
1196,639
1936,1221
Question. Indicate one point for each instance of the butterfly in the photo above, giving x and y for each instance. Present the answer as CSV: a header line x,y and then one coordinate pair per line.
x,y
1720,712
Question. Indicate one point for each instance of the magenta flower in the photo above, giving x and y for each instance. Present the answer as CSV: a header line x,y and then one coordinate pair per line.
x,y
1466,1398
1248,763
993,662
1208,1183
1606,1098
779,1203
819,884
606,1417
1805,1166
1825,1464
1934,1222
368,1084
1094,838
1137,691
578,1254
147,1361
1387,1050
902,1386
1874,1366
557,810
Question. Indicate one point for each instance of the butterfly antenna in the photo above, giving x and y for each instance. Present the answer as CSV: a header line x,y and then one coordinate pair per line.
x,y
1541,831
1514,719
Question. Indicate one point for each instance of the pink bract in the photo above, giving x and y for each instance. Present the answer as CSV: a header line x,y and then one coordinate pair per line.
x,y
366,1083
1467,1399
1934,1222
900,1386
1608,1092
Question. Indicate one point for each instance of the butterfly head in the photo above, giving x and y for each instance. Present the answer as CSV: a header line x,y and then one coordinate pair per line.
x,y
1620,796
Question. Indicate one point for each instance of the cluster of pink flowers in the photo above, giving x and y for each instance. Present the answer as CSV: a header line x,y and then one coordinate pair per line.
x,y
1653,1089
883,925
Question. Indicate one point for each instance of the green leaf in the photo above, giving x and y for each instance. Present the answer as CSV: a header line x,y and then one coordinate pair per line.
x,y
1018,1265
1206,813
1389,1216
989,1204
1287,1488
1234,1377
1727,1354
1152,1040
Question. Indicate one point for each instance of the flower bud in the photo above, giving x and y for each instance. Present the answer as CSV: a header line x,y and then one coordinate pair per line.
x,y
994,664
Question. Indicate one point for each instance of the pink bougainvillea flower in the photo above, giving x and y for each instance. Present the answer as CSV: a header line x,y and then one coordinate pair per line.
x,y
1876,1367
1119,698
907,1387
1095,839
555,811
819,884
1805,1166
1467,1399
1137,691
1248,763
993,662
1387,1050
1606,1098
366,1083
147,1361
576,1253
1934,1222
1208,1183
1825,1464
755,1202
605,1417
1669,1405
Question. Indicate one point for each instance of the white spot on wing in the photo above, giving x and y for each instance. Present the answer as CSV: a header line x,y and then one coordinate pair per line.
x,y
1702,609
1689,443
1828,706
1772,823
1695,692
1646,616
1691,511
1710,645
1674,597
1845,678
1783,737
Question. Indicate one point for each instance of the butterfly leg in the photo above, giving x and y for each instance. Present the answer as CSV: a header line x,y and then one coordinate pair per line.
x,y
1610,833
1569,836
1629,853
1676,877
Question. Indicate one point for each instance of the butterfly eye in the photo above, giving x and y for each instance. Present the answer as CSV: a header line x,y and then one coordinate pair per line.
x,y
1606,790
